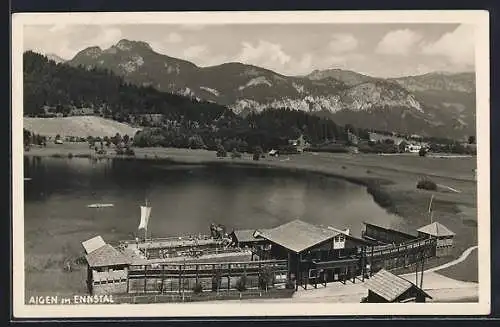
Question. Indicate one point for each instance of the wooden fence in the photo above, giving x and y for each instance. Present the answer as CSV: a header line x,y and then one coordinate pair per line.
x,y
185,277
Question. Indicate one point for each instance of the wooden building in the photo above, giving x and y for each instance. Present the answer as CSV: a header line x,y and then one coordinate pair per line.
x,y
314,253
385,287
107,267
383,235
246,238
443,236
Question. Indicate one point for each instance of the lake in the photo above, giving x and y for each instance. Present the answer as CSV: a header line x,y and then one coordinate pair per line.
x,y
185,200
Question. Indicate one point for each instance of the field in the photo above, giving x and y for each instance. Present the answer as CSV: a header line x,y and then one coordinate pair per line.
x,y
79,126
391,180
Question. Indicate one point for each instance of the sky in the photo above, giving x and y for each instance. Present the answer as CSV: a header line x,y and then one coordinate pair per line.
x,y
382,50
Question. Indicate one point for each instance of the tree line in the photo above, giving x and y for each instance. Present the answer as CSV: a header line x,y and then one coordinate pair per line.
x,y
184,122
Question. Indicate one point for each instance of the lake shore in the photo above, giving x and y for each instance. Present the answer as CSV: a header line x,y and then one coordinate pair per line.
x,y
391,180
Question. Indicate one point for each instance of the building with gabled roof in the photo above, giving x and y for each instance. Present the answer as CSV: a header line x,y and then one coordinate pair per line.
x,y
308,246
106,267
385,287
443,235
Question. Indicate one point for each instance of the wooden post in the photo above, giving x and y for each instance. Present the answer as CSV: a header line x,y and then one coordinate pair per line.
x,y
371,264
128,280
228,276
197,274
162,277
145,278
180,278
422,273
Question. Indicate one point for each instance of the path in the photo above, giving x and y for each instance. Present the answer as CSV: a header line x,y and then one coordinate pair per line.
x,y
441,288
460,259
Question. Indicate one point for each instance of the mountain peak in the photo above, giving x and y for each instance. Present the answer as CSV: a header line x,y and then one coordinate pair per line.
x,y
126,45
93,52
55,58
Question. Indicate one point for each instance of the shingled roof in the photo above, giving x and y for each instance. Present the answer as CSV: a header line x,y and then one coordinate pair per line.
x,y
247,235
390,286
298,235
105,256
93,244
436,229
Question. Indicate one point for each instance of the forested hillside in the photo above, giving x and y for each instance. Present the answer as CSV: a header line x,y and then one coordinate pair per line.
x,y
180,121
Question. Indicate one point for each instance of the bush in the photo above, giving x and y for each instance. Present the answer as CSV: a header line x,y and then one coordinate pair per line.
x,y
129,152
70,155
235,154
197,288
266,277
216,281
422,152
289,284
257,153
221,152
241,284
427,184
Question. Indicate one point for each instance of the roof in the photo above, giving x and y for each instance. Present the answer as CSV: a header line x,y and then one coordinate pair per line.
x,y
436,229
247,235
93,244
390,286
298,235
107,255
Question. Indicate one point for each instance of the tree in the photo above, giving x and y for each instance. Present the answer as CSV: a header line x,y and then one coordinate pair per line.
x,y
241,284
266,277
216,280
235,154
257,152
126,138
117,139
422,152
472,139
221,151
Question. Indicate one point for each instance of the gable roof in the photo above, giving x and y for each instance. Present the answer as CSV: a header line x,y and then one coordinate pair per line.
x,y
247,235
390,286
436,229
93,244
298,235
107,255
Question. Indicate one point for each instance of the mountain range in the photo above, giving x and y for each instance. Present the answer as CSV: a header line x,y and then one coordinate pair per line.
x,y
435,104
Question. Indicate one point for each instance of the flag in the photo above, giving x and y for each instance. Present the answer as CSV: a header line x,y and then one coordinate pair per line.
x,y
145,213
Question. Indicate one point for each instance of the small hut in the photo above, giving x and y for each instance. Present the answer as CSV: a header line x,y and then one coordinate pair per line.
x,y
385,287
443,236
107,267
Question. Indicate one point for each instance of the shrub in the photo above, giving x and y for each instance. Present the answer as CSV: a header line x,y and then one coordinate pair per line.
x,y
221,152
235,154
422,152
257,153
241,284
129,152
289,284
197,288
266,277
427,184
70,155
216,280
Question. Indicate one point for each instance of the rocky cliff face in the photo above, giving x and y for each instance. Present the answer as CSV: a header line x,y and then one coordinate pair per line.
x,y
344,95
